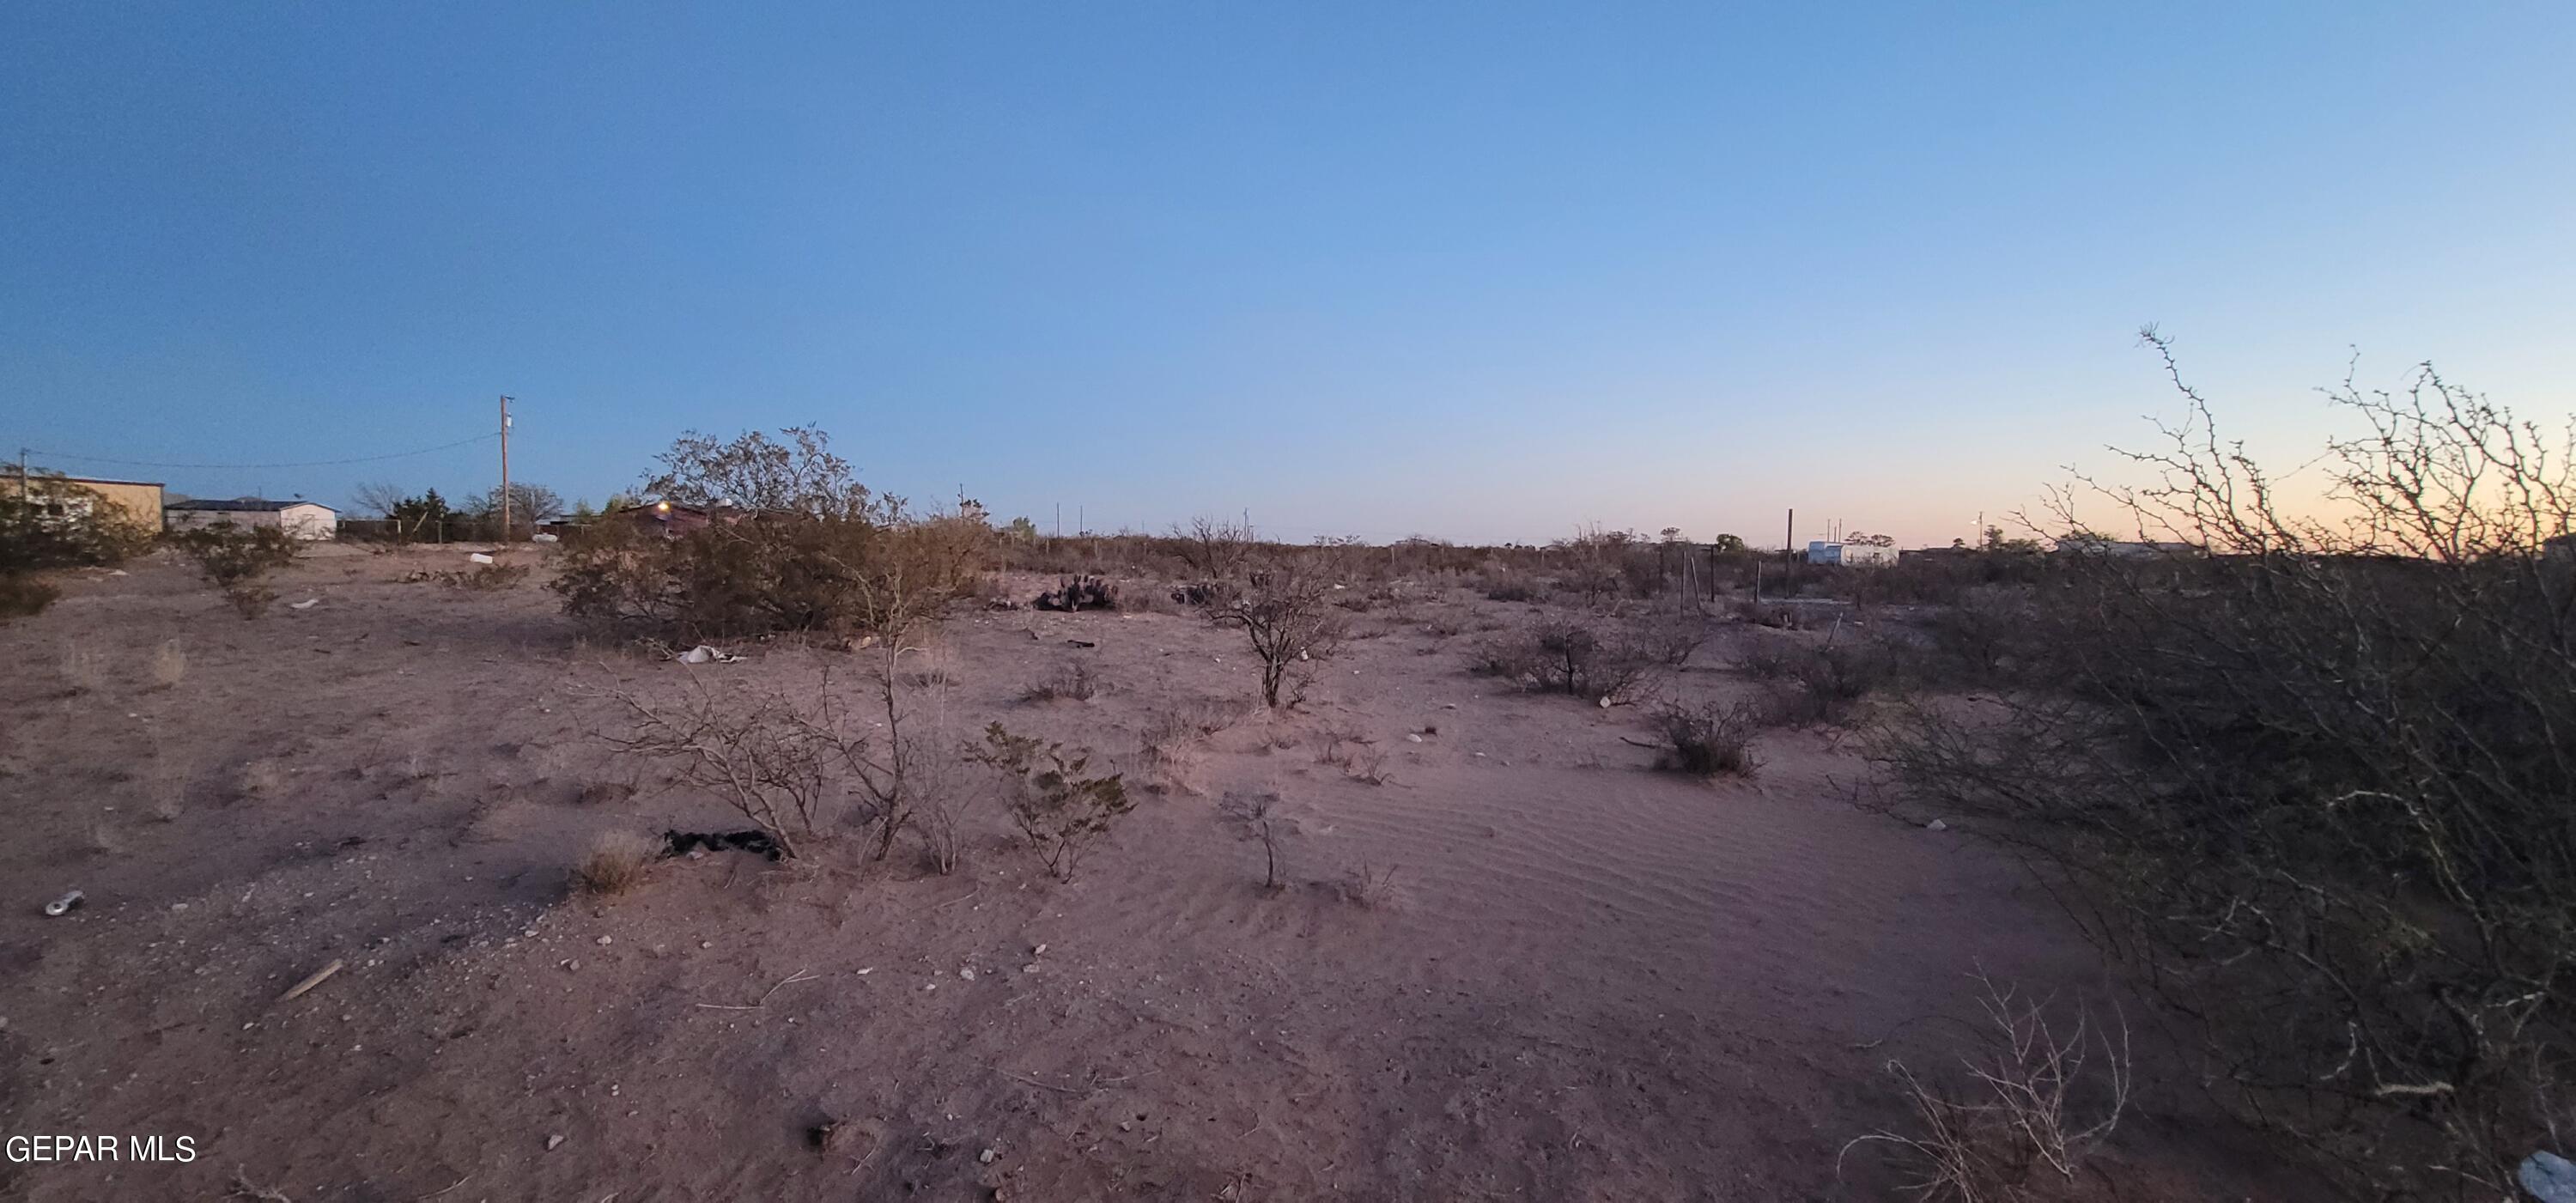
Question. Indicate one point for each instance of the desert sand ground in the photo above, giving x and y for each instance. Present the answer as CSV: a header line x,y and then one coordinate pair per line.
x,y
1578,978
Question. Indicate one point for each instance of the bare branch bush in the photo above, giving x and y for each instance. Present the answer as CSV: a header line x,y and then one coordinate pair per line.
x,y
1214,549
2311,773
767,758
2035,1101
1056,802
1073,682
1286,613
1711,739
1255,816
1599,660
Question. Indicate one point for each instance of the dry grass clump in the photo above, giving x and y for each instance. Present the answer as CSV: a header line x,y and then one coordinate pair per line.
x,y
1713,739
1369,888
1070,683
489,578
616,862
260,780
1172,743
1358,756
169,665
2037,1100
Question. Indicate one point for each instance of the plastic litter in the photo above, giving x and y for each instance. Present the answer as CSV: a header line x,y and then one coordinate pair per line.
x,y
543,537
703,654
306,604
2549,1177
64,904
480,558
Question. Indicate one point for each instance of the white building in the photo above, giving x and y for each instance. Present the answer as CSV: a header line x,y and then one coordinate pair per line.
x,y
1851,555
302,519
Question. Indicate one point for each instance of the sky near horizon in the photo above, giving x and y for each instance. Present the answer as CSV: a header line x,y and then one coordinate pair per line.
x,y
1477,271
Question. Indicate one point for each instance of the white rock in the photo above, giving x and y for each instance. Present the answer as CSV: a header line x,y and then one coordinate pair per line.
x,y
553,1140
1936,825
605,941
967,974
1412,739
986,1157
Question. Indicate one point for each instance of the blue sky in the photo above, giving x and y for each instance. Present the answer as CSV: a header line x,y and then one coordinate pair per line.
x,y
1482,271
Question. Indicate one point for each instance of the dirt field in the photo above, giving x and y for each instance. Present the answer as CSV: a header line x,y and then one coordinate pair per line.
x,y
1575,979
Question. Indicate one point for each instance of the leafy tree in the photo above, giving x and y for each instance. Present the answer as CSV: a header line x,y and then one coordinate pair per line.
x,y
1728,544
1021,530
795,474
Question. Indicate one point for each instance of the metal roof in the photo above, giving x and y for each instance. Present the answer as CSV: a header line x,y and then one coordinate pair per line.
x,y
240,504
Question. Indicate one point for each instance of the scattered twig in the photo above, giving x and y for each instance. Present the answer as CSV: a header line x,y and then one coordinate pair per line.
x,y
319,976
444,1189
801,975
244,1188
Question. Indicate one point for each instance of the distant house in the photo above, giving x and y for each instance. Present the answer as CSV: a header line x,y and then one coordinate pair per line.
x,y
1851,554
302,519
134,502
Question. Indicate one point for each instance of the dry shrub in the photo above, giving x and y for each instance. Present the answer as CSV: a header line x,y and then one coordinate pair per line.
x,y
1255,816
1060,808
794,544
2034,1103
2315,782
1173,741
237,561
1369,887
169,664
1768,661
1285,612
771,758
1777,617
1071,682
1828,685
1713,739
58,523
1596,659
23,596
616,862
1356,754
488,578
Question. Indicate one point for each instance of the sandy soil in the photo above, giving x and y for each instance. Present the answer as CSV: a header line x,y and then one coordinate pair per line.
x,y
1582,980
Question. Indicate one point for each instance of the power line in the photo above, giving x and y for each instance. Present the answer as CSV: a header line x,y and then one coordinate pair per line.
x,y
318,463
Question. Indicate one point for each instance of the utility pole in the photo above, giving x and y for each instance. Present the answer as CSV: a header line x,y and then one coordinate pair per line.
x,y
22,474
1789,541
505,469
1059,520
